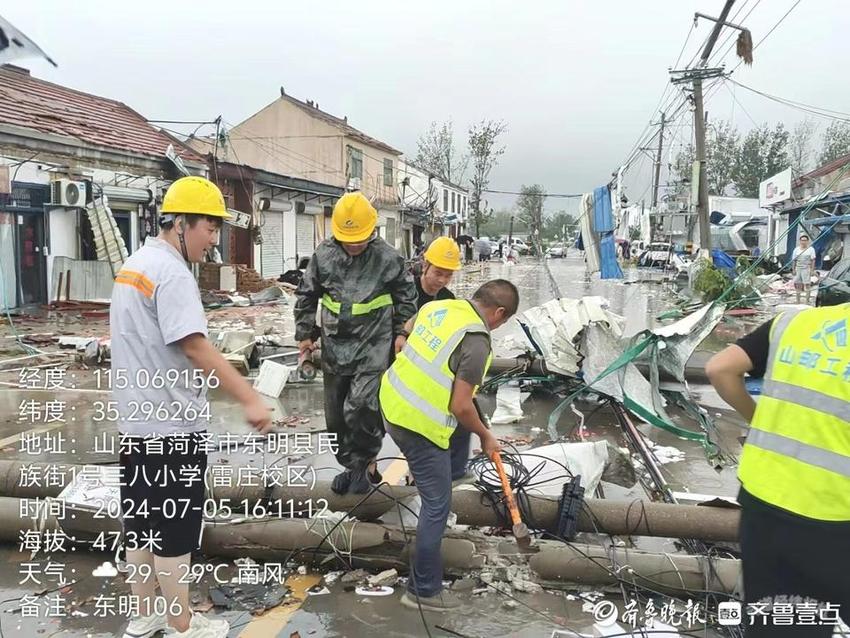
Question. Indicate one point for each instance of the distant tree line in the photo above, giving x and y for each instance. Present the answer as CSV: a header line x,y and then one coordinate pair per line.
x,y
736,164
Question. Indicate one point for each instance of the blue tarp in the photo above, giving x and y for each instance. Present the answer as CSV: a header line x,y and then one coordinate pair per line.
x,y
603,223
603,220
722,260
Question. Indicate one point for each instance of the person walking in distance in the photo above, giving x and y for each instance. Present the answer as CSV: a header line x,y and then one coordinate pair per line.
x,y
803,260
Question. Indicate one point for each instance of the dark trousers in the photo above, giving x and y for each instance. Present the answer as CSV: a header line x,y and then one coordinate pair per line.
x,y
433,469
790,559
352,413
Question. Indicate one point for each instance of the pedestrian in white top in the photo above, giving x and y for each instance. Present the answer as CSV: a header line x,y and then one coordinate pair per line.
x,y
803,260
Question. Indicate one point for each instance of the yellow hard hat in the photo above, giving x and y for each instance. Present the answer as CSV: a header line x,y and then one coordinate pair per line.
x,y
354,218
194,196
443,253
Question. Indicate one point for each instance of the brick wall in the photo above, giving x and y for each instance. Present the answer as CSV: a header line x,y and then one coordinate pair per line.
x,y
247,279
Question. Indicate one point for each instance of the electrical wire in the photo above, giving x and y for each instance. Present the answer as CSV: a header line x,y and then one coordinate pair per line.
x,y
801,106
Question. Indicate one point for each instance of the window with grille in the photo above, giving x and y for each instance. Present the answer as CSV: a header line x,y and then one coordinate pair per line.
x,y
388,172
355,163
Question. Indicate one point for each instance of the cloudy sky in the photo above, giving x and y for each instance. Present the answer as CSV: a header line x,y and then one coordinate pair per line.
x,y
576,80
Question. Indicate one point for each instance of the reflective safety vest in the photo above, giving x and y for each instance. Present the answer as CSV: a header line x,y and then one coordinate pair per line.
x,y
797,454
416,391
357,308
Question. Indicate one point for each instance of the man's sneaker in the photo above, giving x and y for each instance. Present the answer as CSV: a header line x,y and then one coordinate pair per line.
x,y
444,601
203,627
145,626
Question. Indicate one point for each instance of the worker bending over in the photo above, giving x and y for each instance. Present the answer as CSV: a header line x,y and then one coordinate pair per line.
x,y
425,394
795,466
366,296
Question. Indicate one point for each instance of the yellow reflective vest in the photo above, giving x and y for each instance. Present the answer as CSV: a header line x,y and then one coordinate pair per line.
x,y
416,391
797,454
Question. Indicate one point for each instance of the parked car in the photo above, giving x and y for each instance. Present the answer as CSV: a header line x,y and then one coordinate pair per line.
x,y
557,250
834,289
519,245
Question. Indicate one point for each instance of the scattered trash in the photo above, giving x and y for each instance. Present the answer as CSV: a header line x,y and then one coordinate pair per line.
x,y
667,454
255,598
464,584
302,569
510,604
331,577
368,590
387,577
272,378
318,590
354,576
508,404
526,586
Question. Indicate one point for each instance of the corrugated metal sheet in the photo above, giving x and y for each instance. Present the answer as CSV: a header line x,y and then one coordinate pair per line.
x,y
111,246
90,280
50,108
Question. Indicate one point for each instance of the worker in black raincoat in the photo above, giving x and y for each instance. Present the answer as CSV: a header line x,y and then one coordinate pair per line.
x,y
367,295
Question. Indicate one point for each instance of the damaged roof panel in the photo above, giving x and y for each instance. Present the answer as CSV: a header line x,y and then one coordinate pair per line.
x,y
42,106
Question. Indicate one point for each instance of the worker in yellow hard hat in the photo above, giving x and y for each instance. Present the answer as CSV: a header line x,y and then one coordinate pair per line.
x,y
193,207
366,295
158,330
439,263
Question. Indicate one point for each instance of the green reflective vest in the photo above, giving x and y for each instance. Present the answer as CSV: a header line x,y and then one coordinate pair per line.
x,y
797,454
416,391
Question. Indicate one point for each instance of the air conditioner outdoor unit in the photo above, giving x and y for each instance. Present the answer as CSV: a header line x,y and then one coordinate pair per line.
x,y
354,184
68,192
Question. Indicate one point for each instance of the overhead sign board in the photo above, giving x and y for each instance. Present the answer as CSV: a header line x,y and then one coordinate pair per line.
x,y
776,189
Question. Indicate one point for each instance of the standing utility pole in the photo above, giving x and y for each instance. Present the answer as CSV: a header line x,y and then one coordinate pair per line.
x,y
699,132
658,164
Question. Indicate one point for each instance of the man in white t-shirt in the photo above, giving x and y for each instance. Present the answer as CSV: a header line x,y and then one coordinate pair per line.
x,y
803,264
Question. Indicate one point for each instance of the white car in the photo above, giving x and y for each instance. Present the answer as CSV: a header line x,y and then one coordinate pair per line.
x,y
557,250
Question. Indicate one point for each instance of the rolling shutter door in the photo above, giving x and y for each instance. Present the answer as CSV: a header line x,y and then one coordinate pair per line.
x,y
305,229
272,264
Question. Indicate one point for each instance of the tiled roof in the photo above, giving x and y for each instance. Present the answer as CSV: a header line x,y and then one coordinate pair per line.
x,y
826,169
42,106
341,123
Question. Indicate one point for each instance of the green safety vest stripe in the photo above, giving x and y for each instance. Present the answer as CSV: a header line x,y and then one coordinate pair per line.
x,y
809,454
378,302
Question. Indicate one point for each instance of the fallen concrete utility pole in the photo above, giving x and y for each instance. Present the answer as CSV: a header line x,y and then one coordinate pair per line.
x,y
605,516
592,565
374,546
694,368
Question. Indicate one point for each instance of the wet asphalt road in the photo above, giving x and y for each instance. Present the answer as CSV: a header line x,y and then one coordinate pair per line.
x,y
342,613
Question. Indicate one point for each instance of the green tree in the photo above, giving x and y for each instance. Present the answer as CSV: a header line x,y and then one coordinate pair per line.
x,y
530,205
558,226
484,154
499,225
722,151
835,142
764,152
800,153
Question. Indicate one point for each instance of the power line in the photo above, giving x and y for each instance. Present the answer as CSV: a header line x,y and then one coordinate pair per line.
x,y
488,190
775,26
801,106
